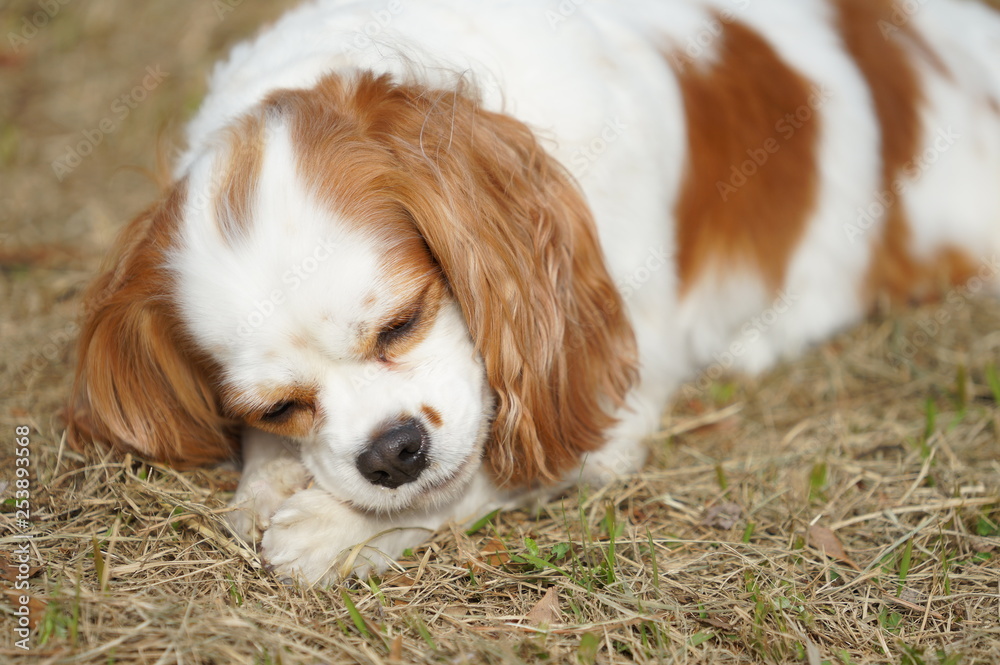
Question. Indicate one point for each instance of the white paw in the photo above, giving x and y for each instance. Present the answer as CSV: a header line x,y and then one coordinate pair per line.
x,y
316,539
258,497
616,460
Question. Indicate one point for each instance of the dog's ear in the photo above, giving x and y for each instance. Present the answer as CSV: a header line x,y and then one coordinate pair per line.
x,y
519,249
139,384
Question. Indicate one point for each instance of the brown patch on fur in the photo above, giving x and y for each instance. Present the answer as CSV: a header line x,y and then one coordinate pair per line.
x,y
342,160
298,420
887,63
239,178
453,192
950,266
745,102
432,415
994,105
140,385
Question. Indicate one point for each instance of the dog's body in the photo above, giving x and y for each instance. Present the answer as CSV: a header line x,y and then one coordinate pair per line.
x,y
376,264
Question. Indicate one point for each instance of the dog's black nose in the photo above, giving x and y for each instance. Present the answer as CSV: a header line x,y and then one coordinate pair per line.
x,y
395,456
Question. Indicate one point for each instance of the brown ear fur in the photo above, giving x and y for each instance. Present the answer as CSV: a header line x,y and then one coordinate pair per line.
x,y
519,249
139,385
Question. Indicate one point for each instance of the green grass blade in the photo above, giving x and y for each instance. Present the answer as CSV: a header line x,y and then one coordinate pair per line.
x,y
359,621
481,522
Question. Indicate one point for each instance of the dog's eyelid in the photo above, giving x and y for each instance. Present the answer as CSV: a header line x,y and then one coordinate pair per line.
x,y
280,410
272,405
404,325
403,321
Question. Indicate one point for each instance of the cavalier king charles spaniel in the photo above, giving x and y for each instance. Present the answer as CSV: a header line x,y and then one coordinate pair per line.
x,y
426,258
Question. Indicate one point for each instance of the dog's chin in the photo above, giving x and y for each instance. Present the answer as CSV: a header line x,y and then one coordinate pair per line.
x,y
434,488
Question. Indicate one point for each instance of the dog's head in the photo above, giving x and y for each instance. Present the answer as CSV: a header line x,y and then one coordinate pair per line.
x,y
402,282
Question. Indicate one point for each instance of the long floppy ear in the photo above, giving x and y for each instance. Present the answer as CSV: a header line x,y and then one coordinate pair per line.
x,y
519,249
139,386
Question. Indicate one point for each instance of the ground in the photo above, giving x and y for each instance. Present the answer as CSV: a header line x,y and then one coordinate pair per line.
x,y
844,508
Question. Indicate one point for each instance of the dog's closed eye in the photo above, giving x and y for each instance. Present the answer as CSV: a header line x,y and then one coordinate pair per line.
x,y
280,412
397,330
287,417
399,327
283,410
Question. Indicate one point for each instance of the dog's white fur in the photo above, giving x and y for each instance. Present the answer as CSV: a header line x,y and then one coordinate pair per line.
x,y
598,92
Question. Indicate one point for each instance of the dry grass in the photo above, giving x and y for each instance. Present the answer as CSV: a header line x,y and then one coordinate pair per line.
x,y
714,555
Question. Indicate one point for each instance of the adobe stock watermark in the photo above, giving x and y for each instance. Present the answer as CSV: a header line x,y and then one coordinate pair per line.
x,y
785,129
34,23
225,7
750,332
20,558
585,156
562,12
912,171
954,301
656,260
365,36
903,12
121,108
698,44
292,279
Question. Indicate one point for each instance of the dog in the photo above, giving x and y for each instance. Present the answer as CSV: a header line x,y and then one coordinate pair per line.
x,y
425,259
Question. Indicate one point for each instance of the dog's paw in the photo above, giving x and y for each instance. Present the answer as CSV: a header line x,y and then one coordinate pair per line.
x,y
259,496
316,539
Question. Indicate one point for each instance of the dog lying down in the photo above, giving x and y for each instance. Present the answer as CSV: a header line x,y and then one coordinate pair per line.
x,y
421,260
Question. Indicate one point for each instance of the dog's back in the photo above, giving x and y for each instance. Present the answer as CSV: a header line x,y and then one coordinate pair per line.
x,y
806,156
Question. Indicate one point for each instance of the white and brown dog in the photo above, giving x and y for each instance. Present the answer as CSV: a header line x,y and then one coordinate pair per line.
x,y
422,257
